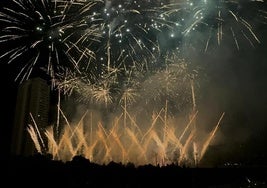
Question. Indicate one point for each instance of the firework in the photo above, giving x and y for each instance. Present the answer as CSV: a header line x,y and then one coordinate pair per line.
x,y
209,21
175,83
40,34
157,143
129,33
98,36
114,54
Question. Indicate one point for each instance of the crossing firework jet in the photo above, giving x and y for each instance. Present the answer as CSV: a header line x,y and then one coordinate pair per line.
x,y
161,142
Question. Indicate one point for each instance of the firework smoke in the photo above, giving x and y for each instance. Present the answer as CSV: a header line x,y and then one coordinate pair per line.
x,y
125,59
158,143
98,36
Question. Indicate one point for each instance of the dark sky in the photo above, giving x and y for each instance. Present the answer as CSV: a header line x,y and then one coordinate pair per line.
x,y
237,86
8,95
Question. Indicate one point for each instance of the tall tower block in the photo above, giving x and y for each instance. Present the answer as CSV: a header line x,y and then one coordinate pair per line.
x,y
33,98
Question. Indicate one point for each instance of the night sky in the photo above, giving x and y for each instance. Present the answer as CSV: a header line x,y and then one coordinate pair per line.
x,y
237,85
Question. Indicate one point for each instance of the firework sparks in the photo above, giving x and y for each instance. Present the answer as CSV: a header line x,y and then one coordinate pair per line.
x,y
41,33
101,94
207,20
154,145
123,52
91,35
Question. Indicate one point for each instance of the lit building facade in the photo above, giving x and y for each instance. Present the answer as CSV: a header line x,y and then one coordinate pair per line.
x,y
32,107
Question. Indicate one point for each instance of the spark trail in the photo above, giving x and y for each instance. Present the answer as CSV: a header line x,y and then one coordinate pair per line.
x,y
40,34
134,143
96,37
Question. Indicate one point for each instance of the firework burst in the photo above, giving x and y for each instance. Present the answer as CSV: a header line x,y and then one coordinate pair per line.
x,y
210,21
98,36
41,34
130,32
